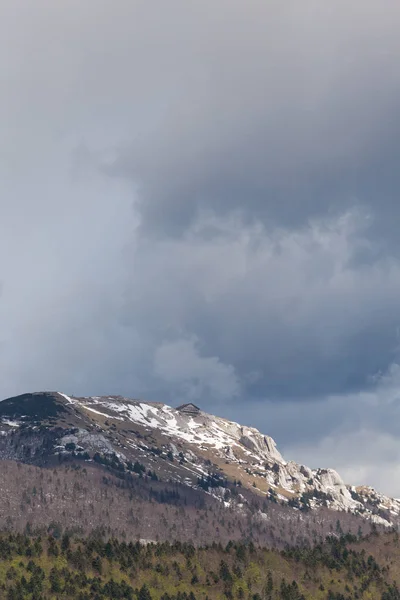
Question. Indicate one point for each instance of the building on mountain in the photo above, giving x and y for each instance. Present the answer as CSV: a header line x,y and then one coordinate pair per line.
x,y
189,409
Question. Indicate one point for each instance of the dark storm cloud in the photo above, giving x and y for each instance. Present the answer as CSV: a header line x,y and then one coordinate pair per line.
x,y
199,200
297,121
286,112
292,312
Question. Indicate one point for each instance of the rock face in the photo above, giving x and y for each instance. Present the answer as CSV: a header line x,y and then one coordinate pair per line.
x,y
262,444
184,445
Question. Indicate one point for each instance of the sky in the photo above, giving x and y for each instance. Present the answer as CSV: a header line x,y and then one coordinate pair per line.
x,y
199,202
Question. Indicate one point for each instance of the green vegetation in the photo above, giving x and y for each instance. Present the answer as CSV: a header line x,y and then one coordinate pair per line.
x,y
60,566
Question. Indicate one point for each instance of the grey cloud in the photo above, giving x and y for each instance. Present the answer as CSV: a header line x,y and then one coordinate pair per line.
x,y
294,307
298,117
180,363
200,200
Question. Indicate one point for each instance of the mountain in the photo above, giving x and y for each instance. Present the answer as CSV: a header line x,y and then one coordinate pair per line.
x,y
151,471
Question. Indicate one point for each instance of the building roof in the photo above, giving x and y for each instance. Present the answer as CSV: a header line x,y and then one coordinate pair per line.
x,y
189,407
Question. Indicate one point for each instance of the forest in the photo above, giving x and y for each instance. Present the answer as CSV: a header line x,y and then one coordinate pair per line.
x,y
59,565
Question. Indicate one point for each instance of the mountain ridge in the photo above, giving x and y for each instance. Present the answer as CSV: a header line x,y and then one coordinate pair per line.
x,y
185,445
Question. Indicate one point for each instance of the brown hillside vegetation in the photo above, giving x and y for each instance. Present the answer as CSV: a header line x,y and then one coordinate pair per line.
x,y
84,496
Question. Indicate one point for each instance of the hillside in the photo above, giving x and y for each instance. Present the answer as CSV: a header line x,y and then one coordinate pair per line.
x,y
150,471
59,566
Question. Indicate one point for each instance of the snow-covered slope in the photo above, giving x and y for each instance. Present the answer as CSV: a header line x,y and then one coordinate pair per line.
x,y
201,429
247,455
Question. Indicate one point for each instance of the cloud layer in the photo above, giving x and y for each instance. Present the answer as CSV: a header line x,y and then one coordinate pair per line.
x,y
200,202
